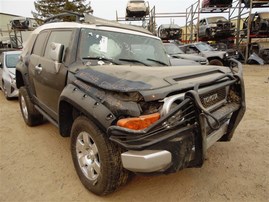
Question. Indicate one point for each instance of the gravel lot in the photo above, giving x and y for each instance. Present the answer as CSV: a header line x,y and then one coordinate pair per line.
x,y
36,165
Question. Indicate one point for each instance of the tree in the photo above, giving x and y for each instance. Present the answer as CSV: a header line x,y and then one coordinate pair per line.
x,y
49,8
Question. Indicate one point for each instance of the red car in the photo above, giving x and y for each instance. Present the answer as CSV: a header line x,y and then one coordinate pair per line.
x,y
217,3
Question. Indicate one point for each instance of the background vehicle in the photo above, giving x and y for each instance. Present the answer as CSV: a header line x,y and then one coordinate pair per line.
x,y
216,3
8,61
112,89
259,53
21,23
169,32
259,24
216,28
175,52
257,3
137,9
213,56
182,62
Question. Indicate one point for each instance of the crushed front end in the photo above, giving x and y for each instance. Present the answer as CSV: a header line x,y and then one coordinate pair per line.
x,y
188,124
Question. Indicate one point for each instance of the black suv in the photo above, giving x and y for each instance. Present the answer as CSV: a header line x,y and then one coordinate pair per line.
x,y
111,88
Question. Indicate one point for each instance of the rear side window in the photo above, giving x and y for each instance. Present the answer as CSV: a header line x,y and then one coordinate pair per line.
x,y
39,44
60,36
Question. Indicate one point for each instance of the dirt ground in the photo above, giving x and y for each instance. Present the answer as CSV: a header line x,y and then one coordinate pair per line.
x,y
36,165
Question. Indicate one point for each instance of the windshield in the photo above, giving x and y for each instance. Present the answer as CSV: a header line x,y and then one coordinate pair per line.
x,y
172,49
214,20
204,47
12,60
122,48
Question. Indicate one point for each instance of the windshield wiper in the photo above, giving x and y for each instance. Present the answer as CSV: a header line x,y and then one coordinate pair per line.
x,y
133,60
160,62
176,55
102,58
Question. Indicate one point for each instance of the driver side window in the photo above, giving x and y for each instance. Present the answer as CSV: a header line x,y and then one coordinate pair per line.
x,y
191,50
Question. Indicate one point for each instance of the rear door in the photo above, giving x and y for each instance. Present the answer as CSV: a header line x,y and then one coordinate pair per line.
x,y
48,81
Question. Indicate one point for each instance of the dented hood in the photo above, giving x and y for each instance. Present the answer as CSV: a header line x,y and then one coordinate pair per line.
x,y
145,80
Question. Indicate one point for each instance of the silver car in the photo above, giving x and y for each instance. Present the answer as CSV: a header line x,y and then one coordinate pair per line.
x,y
8,61
175,52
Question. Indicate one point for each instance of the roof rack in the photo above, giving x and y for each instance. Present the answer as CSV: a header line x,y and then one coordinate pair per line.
x,y
90,19
55,18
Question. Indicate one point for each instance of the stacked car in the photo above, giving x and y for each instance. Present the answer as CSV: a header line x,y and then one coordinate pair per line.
x,y
216,28
169,32
259,24
259,3
216,3
136,9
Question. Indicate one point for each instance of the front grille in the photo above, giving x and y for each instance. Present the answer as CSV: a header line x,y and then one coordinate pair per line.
x,y
224,26
213,97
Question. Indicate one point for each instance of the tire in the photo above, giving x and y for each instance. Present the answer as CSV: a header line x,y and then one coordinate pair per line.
x,y
216,62
30,115
5,91
96,160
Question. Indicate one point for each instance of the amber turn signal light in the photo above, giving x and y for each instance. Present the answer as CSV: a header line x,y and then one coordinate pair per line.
x,y
139,123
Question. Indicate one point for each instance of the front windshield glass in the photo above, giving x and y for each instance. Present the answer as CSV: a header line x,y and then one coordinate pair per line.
x,y
122,48
204,47
12,60
172,49
214,20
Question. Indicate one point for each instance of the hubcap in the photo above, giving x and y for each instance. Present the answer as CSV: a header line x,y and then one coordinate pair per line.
x,y
24,108
88,156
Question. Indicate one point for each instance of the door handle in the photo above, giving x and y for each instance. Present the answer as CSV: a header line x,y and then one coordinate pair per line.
x,y
38,68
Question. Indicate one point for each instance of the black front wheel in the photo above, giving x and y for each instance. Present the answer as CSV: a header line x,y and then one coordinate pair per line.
x,y
97,160
216,62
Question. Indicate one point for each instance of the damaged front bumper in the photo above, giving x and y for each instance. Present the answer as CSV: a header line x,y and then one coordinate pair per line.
x,y
181,137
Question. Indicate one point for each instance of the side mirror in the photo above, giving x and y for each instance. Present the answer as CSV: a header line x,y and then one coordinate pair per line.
x,y
56,54
1,66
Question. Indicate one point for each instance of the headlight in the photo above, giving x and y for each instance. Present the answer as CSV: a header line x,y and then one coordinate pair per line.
x,y
139,123
12,79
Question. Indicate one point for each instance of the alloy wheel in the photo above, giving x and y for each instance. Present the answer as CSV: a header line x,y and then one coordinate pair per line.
x,y
24,108
88,156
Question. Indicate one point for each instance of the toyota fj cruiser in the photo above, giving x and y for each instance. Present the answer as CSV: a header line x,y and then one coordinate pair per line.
x,y
111,88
